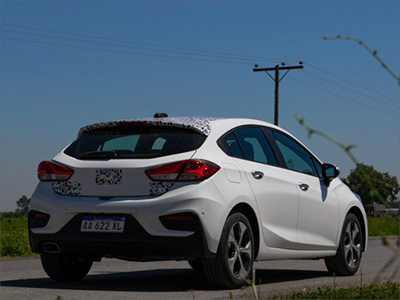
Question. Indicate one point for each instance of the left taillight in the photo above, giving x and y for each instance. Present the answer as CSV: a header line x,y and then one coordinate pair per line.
x,y
185,170
52,171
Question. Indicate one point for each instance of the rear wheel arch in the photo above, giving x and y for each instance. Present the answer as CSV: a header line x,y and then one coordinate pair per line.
x,y
249,213
234,261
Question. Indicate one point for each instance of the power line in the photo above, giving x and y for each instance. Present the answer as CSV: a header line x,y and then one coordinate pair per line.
x,y
350,82
122,46
181,58
124,52
345,98
347,88
220,57
192,50
232,55
146,44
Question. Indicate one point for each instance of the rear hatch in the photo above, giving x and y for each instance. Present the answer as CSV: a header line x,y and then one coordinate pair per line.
x,y
110,161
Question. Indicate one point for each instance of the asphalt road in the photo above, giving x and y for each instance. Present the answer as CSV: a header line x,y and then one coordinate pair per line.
x,y
115,279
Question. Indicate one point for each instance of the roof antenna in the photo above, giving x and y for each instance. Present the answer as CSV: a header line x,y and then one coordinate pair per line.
x,y
160,115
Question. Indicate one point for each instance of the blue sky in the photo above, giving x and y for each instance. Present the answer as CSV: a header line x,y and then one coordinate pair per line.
x,y
142,61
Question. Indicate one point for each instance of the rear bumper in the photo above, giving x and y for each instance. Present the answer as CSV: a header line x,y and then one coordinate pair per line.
x,y
202,200
134,243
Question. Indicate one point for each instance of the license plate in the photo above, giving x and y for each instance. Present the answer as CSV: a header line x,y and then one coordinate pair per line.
x,y
103,224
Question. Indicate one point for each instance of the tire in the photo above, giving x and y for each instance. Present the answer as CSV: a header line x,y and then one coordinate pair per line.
x,y
233,263
348,257
64,267
196,264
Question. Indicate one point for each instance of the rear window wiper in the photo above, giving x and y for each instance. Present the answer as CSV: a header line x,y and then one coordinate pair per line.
x,y
98,154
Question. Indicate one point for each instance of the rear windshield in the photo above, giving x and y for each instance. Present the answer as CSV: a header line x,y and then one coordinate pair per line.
x,y
134,142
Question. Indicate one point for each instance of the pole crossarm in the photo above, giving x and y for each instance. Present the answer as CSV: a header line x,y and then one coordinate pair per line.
x,y
277,68
280,68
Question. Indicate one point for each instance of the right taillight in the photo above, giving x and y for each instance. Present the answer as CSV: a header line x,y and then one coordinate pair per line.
x,y
185,170
52,171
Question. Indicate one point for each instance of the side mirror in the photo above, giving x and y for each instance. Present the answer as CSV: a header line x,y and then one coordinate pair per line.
x,y
329,172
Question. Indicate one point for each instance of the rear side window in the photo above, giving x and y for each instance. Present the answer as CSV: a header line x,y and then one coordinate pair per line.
x,y
250,143
233,146
134,142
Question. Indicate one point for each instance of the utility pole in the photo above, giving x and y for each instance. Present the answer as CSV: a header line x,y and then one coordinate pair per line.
x,y
277,68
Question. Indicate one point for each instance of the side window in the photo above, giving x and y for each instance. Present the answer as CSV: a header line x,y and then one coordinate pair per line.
x,y
255,145
296,157
233,146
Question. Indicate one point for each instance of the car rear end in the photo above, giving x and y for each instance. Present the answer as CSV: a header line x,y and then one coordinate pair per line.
x,y
130,190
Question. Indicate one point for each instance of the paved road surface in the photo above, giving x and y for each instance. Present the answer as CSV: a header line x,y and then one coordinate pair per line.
x,y
115,279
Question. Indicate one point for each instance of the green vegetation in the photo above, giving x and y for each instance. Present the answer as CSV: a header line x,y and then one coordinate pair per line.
x,y
383,226
14,236
372,185
388,290
10,214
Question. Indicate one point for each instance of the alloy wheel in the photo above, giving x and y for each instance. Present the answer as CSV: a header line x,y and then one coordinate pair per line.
x,y
352,244
239,250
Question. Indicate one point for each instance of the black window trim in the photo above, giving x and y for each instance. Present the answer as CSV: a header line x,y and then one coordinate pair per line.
x,y
278,154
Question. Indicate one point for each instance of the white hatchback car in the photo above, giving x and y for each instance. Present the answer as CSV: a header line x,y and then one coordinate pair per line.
x,y
220,193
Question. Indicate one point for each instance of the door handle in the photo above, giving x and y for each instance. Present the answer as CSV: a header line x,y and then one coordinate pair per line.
x,y
303,186
257,174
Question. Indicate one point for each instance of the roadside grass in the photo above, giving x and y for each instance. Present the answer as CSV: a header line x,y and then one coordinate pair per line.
x,y
14,237
383,226
386,290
